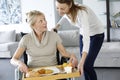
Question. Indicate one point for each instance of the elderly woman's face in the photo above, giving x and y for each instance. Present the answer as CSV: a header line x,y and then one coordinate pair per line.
x,y
40,24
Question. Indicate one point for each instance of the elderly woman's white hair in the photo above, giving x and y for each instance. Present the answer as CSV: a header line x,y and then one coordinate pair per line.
x,y
31,17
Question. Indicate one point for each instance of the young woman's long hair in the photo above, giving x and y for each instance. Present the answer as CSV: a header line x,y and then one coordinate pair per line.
x,y
74,8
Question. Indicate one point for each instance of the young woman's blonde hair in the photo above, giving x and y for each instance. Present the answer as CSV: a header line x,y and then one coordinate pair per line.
x,y
74,8
31,17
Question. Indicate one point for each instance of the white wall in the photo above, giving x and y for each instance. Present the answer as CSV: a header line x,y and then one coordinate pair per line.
x,y
99,7
45,6
114,7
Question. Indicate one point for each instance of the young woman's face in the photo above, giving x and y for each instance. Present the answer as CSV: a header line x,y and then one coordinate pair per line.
x,y
40,24
62,8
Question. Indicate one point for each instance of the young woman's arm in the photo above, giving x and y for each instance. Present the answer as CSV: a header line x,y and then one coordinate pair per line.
x,y
60,23
86,39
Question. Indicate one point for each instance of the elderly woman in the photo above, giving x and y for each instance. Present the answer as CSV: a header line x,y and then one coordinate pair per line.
x,y
40,45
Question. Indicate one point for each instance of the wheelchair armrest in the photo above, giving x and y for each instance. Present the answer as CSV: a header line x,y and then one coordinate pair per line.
x,y
18,74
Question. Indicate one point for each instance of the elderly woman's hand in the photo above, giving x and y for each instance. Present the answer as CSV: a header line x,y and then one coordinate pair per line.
x,y
22,67
73,60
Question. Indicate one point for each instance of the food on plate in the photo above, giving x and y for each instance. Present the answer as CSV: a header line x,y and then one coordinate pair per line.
x,y
32,74
64,64
45,71
67,64
41,71
48,71
38,72
67,67
60,67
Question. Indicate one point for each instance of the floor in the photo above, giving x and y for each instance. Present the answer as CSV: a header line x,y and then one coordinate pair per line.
x,y
108,73
105,74
6,70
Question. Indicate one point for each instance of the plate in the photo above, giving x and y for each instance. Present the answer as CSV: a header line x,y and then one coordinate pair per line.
x,y
54,69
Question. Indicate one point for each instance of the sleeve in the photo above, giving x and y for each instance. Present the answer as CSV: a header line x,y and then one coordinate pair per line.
x,y
23,42
85,28
62,20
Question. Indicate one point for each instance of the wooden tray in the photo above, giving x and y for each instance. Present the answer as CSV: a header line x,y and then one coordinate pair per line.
x,y
75,73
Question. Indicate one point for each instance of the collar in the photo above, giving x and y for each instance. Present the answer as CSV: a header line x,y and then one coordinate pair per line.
x,y
44,40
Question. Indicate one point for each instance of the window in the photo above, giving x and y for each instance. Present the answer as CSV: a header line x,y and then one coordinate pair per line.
x,y
10,12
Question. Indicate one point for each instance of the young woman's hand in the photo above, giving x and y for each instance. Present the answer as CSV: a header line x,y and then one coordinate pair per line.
x,y
81,63
23,67
80,68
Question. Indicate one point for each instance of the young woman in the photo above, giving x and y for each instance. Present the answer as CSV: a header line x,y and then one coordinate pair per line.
x,y
91,33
